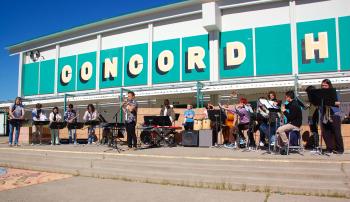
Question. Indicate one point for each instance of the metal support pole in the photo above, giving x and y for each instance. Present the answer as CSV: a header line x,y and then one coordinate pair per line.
x,y
199,97
296,85
65,101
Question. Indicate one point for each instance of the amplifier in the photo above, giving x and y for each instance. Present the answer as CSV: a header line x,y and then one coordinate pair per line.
x,y
205,138
190,138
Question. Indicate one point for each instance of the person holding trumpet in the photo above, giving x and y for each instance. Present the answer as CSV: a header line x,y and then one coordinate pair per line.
x,y
130,107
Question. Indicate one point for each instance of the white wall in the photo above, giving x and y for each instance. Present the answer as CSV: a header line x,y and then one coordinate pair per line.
x,y
127,37
178,28
47,53
322,10
255,16
78,47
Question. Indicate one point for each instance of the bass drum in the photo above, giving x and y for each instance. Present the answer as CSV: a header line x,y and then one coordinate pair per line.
x,y
149,137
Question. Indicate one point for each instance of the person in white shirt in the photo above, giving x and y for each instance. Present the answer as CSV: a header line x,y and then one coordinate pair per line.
x,y
90,114
55,117
167,110
37,115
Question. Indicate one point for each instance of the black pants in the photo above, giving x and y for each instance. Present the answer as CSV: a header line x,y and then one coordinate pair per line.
x,y
188,126
332,135
131,134
250,133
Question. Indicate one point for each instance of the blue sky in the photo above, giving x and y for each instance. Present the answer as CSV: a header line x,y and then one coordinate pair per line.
x,y
22,20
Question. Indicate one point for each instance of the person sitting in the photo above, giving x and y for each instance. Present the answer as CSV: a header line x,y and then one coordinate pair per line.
x,y
55,117
90,115
189,118
167,110
294,120
37,115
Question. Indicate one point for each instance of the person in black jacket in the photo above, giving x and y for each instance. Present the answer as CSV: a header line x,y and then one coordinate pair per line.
x,y
294,118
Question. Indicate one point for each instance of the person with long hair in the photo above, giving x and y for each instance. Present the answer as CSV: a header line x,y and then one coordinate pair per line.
x,y
313,117
90,115
16,113
331,123
55,117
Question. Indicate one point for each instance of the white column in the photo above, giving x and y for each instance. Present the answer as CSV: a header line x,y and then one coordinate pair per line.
x,y
293,34
214,55
20,68
254,51
150,46
56,68
337,41
98,54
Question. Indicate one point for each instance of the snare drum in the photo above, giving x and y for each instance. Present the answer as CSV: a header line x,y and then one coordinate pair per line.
x,y
206,124
198,124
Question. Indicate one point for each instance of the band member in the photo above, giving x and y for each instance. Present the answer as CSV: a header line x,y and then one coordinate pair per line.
x,y
167,110
263,122
130,107
16,113
70,116
229,130
38,115
55,117
313,117
274,117
206,109
294,119
189,118
331,123
90,115
243,110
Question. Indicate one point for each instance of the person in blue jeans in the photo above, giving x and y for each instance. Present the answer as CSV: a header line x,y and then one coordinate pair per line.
x,y
16,113
90,115
189,118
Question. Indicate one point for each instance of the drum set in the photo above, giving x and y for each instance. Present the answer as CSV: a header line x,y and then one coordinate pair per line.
x,y
158,131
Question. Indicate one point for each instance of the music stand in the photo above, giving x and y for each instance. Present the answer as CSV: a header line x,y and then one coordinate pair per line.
x,y
322,98
92,123
58,126
40,123
213,115
75,125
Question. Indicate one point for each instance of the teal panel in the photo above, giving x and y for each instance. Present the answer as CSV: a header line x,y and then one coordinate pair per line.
x,y
246,69
196,74
110,54
317,64
344,42
141,78
70,86
273,50
91,83
30,79
173,75
47,77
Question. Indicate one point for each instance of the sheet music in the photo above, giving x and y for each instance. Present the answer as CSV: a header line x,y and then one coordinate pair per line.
x,y
268,104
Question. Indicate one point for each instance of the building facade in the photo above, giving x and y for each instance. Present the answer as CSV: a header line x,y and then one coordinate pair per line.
x,y
247,46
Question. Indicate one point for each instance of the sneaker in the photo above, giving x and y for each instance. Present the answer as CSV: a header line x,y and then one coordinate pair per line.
x,y
261,144
272,144
10,145
241,141
32,144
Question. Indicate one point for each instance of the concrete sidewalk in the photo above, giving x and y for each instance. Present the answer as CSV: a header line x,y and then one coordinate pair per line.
x,y
91,189
213,168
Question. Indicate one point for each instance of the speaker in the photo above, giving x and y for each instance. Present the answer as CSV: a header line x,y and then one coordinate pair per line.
x,y
205,138
190,138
